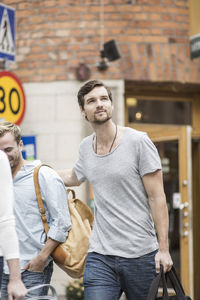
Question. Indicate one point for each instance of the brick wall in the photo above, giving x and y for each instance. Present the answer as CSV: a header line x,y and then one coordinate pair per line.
x,y
54,36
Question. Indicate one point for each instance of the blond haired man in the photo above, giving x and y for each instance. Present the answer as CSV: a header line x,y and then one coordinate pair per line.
x,y
9,246
35,248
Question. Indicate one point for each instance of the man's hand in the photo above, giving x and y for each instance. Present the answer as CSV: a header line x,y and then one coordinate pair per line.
x,y
37,264
16,289
163,258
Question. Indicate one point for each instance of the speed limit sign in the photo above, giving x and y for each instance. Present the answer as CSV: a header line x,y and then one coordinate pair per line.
x,y
12,98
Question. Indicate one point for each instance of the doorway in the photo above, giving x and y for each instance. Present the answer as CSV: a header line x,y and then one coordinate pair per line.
x,y
173,144
196,210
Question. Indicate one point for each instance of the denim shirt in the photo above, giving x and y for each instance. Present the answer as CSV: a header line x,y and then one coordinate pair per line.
x,y
29,225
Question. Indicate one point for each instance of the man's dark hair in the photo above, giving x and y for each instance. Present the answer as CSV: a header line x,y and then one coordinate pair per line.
x,y
89,86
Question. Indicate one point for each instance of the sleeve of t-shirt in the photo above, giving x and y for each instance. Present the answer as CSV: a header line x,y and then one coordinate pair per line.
x,y
149,160
79,167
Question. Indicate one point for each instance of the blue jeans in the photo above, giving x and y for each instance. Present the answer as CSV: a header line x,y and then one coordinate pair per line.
x,y
106,276
30,279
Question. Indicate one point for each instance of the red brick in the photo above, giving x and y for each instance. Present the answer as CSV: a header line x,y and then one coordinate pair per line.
x,y
109,8
49,3
174,74
166,54
24,5
152,36
144,31
181,18
137,70
88,53
154,17
157,49
49,77
134,52
152,71
131,39
130,31
118,31
178,11
168,25
166,71
127,16
181,33
40,56
142,49
156,31
140,16
48,10
155,9
155,39
166,17
181,3
25,72
24,13
120,24
144,24
45,71
128,8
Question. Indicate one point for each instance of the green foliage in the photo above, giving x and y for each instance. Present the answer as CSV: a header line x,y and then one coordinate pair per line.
x,y
75,290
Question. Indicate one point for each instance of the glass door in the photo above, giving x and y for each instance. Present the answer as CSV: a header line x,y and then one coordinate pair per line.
x,y
173,144
168,151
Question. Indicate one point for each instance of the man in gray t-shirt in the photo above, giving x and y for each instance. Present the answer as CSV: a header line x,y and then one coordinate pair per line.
x,y
124,169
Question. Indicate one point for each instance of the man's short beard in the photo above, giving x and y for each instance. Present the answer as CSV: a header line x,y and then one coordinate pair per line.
x,y
101,122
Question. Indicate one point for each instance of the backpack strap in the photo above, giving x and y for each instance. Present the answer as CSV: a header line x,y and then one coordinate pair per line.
x,y
39,197
73,193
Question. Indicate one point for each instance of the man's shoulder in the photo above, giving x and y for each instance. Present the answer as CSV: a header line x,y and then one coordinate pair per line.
x,y
135,134
47,171
87,140
49,179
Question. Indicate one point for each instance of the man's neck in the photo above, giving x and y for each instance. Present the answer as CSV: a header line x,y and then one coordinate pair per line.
x,y
105,131
18,167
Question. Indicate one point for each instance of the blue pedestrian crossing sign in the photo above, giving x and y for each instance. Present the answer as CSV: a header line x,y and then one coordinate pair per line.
x,y
7,33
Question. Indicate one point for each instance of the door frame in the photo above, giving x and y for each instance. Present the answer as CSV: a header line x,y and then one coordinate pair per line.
x,y
162,133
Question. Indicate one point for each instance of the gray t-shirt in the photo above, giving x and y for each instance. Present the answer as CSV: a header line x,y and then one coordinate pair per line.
x,y
123,224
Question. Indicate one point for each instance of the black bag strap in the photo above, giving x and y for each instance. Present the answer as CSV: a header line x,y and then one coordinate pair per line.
x,y
176,284
155,285
161,277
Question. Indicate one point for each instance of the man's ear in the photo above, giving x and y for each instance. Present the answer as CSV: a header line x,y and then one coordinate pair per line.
x,y
82,111
21,145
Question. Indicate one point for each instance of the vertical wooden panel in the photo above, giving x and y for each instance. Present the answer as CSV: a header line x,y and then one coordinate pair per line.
x,y
196,117
194,17
196,219
183,187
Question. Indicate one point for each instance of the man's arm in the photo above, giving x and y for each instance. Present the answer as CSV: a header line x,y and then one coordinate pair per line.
x,y
16,288
54,197
38,263
153,184
69,177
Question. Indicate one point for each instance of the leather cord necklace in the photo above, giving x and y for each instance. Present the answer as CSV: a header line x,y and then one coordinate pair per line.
x,y
112,141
